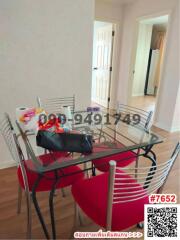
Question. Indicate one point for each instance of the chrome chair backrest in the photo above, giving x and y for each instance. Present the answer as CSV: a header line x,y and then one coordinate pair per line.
x,y
29,148
145,117
54,105
123,187
11,140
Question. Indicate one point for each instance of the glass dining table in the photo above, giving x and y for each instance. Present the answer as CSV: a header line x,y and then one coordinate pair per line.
x,y
109,139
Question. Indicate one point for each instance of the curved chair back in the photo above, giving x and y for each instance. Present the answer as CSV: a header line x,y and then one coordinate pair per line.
x,y
11,140
10,137
124,187
54,105
145,117
30,152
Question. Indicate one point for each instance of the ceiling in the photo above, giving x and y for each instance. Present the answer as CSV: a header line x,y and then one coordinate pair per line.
x,y
117,2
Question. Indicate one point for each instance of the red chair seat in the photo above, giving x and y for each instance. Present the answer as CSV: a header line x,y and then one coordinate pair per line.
x,y
123,159
91,195
48,178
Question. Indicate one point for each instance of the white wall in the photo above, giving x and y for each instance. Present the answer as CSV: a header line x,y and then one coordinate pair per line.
x,y
170,83
170,78
45,50
106,11
112,13
176,120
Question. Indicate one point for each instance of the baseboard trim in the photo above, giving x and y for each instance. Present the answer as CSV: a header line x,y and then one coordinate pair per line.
x,y
175,129
166,128
9,164
138,95
162,126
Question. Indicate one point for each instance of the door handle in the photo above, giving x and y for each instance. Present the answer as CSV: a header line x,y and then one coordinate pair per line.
x,y
95,68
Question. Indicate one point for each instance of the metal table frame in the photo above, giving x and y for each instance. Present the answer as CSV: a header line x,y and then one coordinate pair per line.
x,y
147,152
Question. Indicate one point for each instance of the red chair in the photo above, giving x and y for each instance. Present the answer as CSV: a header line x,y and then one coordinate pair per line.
x,y
126,158
48,178
27,177
115,200
122,159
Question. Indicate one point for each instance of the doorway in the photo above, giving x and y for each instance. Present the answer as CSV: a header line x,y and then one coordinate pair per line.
x,y
103,44
151,44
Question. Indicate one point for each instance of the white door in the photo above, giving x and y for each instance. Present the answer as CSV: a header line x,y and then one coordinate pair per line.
x,y
102,65
142,56
152,72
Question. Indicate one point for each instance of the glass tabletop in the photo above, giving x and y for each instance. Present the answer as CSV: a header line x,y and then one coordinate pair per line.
x,y
109,139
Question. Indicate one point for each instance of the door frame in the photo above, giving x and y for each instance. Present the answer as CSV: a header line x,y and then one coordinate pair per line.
x,y
134,51
115,61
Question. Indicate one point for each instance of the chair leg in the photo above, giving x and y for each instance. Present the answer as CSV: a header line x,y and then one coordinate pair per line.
x,y
80,218
93,170
19,199
136,167
87,172
29,215
137,163
63,192
140,225
76,219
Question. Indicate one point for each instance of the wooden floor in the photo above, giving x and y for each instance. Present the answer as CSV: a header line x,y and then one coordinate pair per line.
x,y
13,226
144,102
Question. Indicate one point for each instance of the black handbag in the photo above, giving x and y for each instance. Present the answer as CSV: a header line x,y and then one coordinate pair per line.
x,y
68,142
